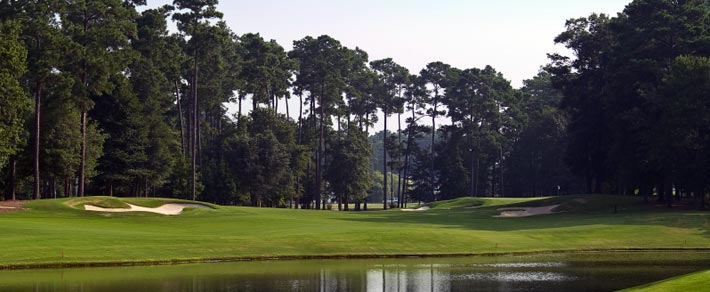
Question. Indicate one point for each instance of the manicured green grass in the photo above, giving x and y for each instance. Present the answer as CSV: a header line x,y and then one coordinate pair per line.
x,y
51,231
697,282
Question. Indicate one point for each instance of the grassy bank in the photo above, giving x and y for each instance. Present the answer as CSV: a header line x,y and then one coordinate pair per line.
x,y
697,282
55,232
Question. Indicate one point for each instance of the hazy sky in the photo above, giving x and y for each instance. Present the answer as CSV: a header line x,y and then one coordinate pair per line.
x,y
513,36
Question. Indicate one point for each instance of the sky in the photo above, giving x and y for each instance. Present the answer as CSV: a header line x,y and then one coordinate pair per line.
x,y
513,36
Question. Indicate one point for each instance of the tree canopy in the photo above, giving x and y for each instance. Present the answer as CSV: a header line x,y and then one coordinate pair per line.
x,y
125,107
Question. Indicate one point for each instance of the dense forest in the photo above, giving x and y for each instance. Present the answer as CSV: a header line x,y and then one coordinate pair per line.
x,y
97,98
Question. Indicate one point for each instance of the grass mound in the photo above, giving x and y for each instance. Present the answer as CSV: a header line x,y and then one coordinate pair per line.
x,y
693,282
157,202
469,202
587,204
103,202
68,204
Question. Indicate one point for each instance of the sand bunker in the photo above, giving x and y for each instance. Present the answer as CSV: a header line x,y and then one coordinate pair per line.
x,y
167,209
516,212
424,208
9,206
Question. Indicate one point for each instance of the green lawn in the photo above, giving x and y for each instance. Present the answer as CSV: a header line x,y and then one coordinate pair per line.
x,y
697,282
53,232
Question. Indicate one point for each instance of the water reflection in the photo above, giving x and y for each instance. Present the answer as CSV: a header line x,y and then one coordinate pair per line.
x,y
558,273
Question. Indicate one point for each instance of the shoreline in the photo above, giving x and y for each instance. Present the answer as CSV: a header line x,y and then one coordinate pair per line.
x,y
60,265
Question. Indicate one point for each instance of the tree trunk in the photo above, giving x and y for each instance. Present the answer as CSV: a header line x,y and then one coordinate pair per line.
x,y
669,193
198,130
182,123
82,164
472,161
319,157
399,161
500,167
392,185
276,104
195,131
300,119
300,131
53,187
11,178
338,120
38,96
478,173
433,134
239,111
67,192
643,189
84,82
384,162
410,138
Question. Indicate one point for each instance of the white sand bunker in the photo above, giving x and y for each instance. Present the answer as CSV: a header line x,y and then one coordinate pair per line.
x,y
167,209
516,212
424,208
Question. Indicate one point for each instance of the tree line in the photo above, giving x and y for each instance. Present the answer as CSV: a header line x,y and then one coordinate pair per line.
x,y
98,98
636,94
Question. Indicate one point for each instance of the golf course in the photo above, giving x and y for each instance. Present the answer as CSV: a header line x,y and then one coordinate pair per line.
x,y
62,233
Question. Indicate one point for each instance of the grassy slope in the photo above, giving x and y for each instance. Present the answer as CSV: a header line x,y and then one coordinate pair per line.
x,y
697,282
53,232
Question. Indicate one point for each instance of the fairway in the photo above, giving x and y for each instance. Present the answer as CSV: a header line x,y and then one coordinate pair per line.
x,y
53,233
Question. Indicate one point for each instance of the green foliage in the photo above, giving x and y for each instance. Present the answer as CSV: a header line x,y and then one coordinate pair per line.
x,y
265,160
683,138
266,69
349,171
620,93
13,100
535,166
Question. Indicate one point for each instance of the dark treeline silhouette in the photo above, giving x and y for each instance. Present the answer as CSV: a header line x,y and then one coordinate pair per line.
x,y
99,99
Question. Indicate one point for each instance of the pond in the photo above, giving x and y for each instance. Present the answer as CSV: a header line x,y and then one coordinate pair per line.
x,y
553,272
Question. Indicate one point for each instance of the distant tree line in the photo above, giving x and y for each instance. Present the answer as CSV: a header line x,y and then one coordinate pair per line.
x,y
97,98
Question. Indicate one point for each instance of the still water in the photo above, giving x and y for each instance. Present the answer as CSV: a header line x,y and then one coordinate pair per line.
x,y
556,272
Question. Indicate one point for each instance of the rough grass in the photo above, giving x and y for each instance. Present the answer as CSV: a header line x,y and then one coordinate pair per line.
x,y
157,202
103,202
697,282
51,232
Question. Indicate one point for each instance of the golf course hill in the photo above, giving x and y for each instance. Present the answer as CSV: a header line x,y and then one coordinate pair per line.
x,y
105,231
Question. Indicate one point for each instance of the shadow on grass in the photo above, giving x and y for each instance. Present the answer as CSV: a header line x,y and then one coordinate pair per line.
x,y
574,211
